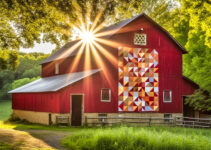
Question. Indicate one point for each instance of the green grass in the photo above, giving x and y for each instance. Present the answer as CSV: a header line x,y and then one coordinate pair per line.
x,y
117,138
6,146
26,125
5,109
139,138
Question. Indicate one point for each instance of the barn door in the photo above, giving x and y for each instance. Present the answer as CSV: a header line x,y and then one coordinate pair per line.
x,y
76,115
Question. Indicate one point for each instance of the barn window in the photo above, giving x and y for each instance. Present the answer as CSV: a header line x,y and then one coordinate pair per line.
x,y
105,95
167,96
140,39
57,68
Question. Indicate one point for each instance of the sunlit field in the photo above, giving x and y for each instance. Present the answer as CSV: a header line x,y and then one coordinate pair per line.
x,y
5,109
140,138
118,137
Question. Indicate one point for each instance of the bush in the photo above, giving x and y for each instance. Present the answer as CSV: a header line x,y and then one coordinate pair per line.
x,y
21,82
200,100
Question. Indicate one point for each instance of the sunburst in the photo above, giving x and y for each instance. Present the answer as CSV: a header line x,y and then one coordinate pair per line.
x,y
90,47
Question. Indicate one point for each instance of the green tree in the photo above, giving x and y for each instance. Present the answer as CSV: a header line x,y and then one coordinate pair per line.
x,y
8,59
28,68
190,25
197,64
200,100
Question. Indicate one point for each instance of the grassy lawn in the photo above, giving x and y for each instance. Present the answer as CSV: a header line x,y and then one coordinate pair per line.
x,y
5,109
116,138
6,146
127,138
140,138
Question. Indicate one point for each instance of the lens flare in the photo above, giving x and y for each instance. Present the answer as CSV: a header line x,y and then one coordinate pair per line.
x,y
92,49
87,36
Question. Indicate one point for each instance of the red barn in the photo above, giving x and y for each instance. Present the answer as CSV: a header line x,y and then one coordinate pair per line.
x,y
134,70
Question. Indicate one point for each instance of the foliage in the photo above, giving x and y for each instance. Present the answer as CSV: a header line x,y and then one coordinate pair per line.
x,y
20,82
8,59
190,25
197,63
27,69
137,138
5,109
200,100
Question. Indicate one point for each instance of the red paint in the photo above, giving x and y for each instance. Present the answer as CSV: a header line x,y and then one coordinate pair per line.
x,y
170,76
42,102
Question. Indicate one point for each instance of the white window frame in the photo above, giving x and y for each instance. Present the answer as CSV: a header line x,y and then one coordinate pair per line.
x,y
56,68
102,93
164,96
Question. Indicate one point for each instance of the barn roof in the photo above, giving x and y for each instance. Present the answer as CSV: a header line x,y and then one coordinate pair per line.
x,y
190,81
55,83
114,28
59,54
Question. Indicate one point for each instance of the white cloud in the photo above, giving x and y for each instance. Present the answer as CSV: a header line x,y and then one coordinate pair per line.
x,y
42,48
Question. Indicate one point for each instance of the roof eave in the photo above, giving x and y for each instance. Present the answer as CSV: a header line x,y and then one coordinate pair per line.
x,y
191,81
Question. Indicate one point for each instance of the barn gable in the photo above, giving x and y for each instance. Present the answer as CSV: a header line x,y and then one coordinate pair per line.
x,y
112,29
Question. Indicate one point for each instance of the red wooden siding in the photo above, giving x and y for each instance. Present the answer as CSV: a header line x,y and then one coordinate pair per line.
x,y
42,102
170,77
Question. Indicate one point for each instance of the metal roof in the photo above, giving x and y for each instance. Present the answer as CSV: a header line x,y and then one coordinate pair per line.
x,y
54,83
114,29
64,50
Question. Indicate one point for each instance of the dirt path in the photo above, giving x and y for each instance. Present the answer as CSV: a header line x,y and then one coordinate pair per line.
x,y
33,139
51,137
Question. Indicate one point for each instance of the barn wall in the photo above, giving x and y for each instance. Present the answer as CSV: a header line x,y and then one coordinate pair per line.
x,y
170,60
170,71
36,116
91,88
41,102
48,69
188,88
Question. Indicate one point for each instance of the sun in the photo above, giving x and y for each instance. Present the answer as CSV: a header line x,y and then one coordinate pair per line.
x,y
87,37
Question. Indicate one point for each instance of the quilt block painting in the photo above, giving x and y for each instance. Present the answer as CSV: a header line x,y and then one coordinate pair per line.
x,y
138,80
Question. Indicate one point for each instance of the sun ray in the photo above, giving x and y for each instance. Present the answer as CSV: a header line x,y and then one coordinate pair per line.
x,y
87,62
107,32
77,58
70,50
64,54
102,66
92,29
110,43
98,28
105,52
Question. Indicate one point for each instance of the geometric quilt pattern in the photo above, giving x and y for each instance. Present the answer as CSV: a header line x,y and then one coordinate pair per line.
x,y
138,80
